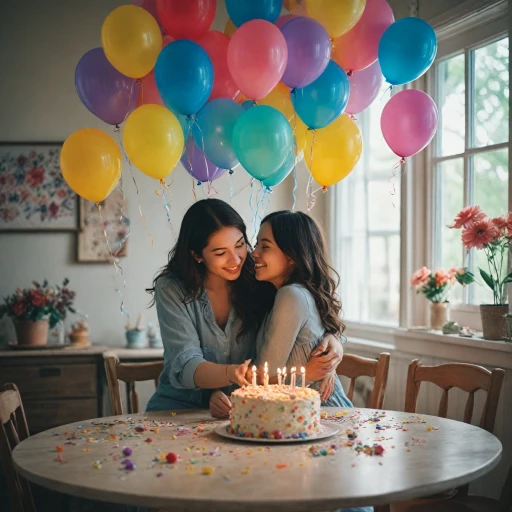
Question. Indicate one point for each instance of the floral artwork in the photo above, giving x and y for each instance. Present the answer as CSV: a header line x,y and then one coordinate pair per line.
x,y
33,193
92,246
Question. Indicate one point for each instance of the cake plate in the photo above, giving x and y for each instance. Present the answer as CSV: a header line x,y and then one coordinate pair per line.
x,y
328,429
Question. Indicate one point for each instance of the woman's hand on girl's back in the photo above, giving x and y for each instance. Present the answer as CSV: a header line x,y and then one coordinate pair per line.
x,y
220,405
324,359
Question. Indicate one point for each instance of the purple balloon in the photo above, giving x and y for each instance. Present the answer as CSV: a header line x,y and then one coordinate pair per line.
x,y
364,88
309,51
197,165
106,92
284,19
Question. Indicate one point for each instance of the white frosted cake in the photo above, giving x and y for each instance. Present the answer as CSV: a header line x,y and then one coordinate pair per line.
x,y
275,413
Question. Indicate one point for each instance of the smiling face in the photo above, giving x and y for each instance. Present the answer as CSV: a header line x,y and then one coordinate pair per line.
x,y
271,263
225,253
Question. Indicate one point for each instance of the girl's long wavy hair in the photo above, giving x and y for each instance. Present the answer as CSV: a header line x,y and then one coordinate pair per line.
x,y
300,238
250,299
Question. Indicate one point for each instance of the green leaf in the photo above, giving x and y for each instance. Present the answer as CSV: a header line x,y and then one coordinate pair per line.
x,y
487,279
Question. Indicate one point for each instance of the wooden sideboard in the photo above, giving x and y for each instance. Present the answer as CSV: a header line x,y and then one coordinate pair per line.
x,y
65,385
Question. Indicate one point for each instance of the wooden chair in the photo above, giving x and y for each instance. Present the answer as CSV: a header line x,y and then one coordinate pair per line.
x,y
469,378
129,373
14,429
353,366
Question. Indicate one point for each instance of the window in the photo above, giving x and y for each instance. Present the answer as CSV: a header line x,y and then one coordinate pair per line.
x,y
366,230
470,151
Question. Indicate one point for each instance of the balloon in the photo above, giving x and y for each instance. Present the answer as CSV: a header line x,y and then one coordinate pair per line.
x,y
263,140
290,4
215,44
229,28
336,151
336,16
365,86
153,140
281,174
132,40
214,131
247,104
283,20
105,92
150,6
188,19
309,51
90,162
406,50
358,48
184,76
242,11
279,98
257,56
197,164
408,122
320,103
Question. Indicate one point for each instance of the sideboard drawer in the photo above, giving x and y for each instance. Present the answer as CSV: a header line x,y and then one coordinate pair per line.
x,y
53,380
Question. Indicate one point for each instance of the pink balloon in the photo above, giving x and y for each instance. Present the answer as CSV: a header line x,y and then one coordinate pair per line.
x,y
364,88
257,57
215,44
358,48
408,122
283,20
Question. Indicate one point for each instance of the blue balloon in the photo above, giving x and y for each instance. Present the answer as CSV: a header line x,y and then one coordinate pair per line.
x,y
247,104
184,76
213,131
281,173
263,141
321,102
241,11
406,50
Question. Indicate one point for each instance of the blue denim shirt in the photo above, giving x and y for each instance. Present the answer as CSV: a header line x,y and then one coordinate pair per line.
x,y
191,336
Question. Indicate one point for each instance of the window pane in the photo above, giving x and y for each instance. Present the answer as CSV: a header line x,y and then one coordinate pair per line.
x,y
491,94
384,204
451,104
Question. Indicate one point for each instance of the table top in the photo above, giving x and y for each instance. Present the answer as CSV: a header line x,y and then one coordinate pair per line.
x,y
422,455
123,353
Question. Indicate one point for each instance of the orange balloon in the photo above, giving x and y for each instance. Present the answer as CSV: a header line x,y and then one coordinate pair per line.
x,y
290,4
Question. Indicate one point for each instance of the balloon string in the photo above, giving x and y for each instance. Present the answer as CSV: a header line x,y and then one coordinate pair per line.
x,y
244,187
393,178
194,189
167,204
125,220
260,203
117,263
205,159
231,172
388,89
296,154
310,179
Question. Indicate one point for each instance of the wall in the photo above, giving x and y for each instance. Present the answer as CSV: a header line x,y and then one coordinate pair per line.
x,y
41,43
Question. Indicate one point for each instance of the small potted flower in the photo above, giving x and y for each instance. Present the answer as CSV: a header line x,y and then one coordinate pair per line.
x,y
436,286
36,309
493,236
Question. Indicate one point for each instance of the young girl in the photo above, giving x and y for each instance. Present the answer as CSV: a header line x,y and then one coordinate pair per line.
x,y
209,307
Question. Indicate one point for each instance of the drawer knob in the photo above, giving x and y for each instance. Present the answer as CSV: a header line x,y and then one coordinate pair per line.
x,y
49,372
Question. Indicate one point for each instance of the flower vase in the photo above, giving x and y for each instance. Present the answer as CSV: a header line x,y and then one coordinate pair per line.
x,y
32,333
438,315
493,321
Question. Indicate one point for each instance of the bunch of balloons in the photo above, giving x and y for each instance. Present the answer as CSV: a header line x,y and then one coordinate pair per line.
x,y
268,90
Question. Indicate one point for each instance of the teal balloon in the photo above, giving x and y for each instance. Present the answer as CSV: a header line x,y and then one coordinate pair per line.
x,y
407,49
263,141
213,131
241,11
321,102
282,173
184,76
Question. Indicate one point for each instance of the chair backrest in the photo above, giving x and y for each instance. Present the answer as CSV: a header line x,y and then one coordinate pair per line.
x,y
468,377
129,373
353,366
13,430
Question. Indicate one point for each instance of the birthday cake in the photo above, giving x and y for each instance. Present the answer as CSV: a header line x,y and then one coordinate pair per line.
x,y
278,412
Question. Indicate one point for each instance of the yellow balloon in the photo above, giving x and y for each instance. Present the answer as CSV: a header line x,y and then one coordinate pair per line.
x,y
153,140
132,40
336,151
337,16
279,98
90,162
230,28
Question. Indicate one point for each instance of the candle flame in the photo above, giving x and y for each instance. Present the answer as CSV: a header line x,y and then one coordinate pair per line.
x,y
284,370
266,366
293,370
279,371
254,368
302,369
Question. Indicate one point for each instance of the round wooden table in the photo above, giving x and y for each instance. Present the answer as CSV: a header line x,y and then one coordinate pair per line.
x,y
422,455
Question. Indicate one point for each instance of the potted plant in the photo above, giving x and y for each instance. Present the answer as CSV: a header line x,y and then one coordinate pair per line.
x,y
36,309
436,286
493,236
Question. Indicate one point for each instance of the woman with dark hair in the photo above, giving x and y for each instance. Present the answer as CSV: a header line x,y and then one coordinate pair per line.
x,y
210,307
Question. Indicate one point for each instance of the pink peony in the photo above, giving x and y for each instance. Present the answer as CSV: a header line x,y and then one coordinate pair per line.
x,y
479,234
420,277
442,277
467,216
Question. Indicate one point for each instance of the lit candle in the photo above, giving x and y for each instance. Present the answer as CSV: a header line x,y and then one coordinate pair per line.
x,y
284,376
279,383
265,376
254,377
303,372
293,377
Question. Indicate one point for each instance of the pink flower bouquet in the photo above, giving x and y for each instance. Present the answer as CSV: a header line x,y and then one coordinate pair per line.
x,y
436,285
493,236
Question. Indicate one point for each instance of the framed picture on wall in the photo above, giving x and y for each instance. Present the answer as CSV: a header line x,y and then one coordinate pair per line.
x,y
92,246
33,193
